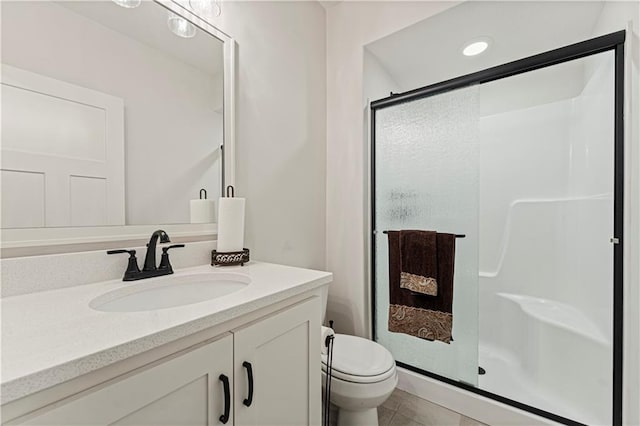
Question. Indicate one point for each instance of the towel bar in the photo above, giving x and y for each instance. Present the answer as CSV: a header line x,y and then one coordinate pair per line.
x,y
456,235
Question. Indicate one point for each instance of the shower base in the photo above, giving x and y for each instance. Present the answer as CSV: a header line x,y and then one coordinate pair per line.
x,y
505,377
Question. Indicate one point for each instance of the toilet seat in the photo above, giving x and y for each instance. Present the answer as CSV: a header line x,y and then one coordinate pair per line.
x,y
336,374
359,360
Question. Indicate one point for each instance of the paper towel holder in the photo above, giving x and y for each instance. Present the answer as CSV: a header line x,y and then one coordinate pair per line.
x,y
232,257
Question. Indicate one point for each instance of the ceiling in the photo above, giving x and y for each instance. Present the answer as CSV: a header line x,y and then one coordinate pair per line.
x,y
148,24
430,51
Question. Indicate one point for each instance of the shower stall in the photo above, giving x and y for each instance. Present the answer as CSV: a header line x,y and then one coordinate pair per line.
x,y
525,160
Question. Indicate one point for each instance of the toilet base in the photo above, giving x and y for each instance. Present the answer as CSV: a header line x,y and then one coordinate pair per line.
x,y
368,417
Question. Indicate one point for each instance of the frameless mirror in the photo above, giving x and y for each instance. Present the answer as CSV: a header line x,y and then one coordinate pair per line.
x,y
111,114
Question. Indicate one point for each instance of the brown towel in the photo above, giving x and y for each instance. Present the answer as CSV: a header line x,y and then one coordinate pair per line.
x,y
419,258
426,317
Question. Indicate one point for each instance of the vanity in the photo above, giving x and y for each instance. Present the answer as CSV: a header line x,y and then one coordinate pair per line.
x,y
102,354
134,122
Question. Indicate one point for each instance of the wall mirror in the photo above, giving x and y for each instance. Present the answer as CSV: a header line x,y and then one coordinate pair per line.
x,y
115,114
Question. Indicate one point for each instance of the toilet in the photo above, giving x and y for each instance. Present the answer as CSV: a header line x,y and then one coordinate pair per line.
x,y
363,376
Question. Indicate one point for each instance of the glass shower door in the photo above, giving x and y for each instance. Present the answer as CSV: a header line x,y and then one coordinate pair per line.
x,y
426,158
524,167
546,221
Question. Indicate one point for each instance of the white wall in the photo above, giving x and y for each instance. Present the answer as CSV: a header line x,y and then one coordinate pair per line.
x,y
281,127
378,83
171,150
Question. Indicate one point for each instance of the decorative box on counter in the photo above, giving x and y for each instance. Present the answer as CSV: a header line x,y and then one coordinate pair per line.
x,y
229,258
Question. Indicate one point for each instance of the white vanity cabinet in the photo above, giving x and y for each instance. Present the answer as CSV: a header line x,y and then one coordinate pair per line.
x,y
280,350
283,353
183,390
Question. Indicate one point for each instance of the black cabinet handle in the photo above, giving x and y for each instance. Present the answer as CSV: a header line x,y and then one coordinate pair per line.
x,y
249,398
227,399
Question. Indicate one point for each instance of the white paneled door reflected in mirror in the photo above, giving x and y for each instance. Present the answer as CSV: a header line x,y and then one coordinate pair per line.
x,y
112,114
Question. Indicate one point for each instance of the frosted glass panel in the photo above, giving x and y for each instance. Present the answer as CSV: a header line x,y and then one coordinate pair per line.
x,y
426,168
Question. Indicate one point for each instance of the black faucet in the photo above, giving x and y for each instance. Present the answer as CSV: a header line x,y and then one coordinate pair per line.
x,y
150,258
149,270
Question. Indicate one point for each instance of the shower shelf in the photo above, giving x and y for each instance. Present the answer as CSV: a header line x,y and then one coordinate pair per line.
x,y
511,222
558,314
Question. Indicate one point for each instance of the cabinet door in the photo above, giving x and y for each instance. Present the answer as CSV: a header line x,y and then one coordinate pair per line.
x,y
283,353
184,390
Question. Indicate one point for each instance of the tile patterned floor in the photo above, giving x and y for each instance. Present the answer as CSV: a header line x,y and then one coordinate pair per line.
x,y
404,409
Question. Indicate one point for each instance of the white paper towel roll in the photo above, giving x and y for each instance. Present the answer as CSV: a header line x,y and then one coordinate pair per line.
x,y
230,224
324,333
202,211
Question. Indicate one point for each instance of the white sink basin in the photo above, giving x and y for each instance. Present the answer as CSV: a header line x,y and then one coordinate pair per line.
x,y
170,291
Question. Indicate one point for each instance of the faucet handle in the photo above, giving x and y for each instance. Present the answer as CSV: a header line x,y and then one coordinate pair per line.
x,y
132,267
131,252
164,260
166,249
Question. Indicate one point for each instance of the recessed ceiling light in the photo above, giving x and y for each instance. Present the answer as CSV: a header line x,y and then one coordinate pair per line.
x,y
476,46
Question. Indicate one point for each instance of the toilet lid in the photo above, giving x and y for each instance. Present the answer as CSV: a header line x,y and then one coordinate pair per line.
x,y
355,356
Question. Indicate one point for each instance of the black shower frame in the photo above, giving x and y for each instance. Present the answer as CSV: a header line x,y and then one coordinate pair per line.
x,y
613,41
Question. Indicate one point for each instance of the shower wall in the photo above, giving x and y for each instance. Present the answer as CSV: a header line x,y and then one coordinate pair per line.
x,y
546,262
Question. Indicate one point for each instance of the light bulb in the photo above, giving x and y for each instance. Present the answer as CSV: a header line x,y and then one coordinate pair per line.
x,y
205,8
180,26
129,4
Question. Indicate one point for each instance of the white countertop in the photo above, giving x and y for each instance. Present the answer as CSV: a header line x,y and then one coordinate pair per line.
x,y
50,337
